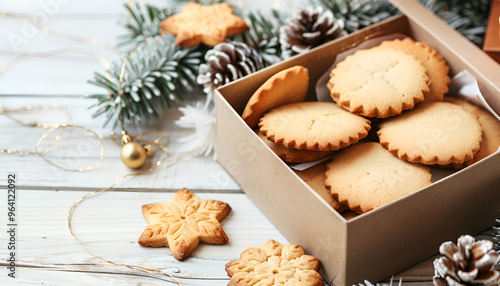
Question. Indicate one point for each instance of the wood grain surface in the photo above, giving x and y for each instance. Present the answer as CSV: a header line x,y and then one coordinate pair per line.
x,y
108,224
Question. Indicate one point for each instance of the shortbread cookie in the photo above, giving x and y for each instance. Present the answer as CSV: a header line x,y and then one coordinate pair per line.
x,y
292,155
434,63
321,126
366,176
489,124
378,82
183,222
315,178
433,133
209,25
274,264
348,215
287,86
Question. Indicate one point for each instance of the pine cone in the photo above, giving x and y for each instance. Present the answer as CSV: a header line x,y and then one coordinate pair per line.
x,y
225,63
467,263
308,28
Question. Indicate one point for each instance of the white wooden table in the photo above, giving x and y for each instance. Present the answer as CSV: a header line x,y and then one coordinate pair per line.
x,y
108,224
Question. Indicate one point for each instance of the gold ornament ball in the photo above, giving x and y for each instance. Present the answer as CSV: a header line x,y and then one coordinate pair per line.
x,y
133,155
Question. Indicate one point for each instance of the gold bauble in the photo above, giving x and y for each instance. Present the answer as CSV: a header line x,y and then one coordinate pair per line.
x,y
133,155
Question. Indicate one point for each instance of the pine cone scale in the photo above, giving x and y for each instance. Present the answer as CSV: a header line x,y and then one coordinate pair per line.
x,y
225,63
470,262
307,29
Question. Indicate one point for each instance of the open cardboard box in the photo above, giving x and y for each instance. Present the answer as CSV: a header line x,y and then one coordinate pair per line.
x,y
384,241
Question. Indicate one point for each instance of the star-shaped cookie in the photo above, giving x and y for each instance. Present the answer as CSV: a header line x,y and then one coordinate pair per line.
x,y
274,264
197,24
183,222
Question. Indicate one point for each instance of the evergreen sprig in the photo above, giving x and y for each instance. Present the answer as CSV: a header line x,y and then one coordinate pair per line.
x,y
154,76
263,35
143,24
358,14
467,17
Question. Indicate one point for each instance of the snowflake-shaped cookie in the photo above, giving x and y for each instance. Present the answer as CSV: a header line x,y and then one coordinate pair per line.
x,y
183,222
274,264
197,24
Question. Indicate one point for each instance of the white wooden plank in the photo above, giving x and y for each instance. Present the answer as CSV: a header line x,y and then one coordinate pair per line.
x,y
109,225
191,172
92,7
97,7
61,74
65,32
44,276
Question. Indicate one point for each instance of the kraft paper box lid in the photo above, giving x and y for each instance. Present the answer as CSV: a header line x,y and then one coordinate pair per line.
x,y
492,38
382,242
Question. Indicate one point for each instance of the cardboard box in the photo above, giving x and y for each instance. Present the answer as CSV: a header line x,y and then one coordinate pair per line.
x,y
391,238
492,37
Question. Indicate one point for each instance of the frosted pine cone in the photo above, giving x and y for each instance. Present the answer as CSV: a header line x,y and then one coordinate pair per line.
x,y
225,63
308,28
469,262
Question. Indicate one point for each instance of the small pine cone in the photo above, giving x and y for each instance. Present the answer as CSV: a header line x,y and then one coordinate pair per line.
x,y
225,63
469,262
308,28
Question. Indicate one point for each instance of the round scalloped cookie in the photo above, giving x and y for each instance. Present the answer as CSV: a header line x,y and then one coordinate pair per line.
x,y
321,126
315,178
439,133
378,82
366,176
292,155
287,86
490,126
274,264
434,63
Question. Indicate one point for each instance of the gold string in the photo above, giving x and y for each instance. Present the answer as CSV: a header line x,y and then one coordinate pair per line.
x,y
13,61
101,154
46,30
33,124
49,31
52,128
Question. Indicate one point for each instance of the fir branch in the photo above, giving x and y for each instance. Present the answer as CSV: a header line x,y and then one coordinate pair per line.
x,y
154,77
358,14
143,24
263,35
467,17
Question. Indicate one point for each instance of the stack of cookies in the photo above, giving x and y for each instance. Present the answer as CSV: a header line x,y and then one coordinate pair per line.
x,y
397,90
